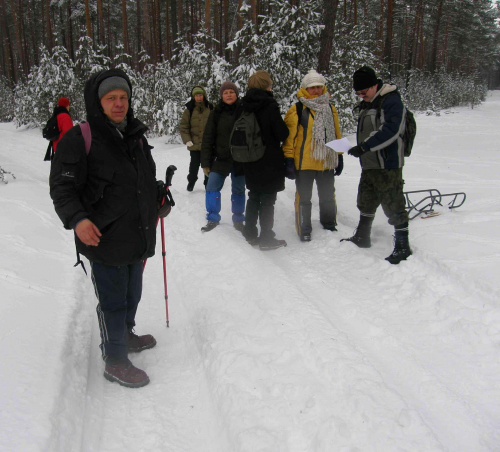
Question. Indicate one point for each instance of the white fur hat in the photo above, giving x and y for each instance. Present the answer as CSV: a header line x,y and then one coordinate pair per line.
x,y
313,79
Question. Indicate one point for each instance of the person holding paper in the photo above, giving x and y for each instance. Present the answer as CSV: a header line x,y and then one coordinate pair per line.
x,y
312,123
381,121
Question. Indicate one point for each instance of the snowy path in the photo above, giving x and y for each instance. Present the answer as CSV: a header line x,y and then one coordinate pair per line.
x,y
318,346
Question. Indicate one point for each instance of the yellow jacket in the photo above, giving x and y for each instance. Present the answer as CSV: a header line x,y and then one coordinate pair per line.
x,y
298,146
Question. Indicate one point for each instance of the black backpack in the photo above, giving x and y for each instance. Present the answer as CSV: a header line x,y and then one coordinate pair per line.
x,y
51,130
410,130
246,139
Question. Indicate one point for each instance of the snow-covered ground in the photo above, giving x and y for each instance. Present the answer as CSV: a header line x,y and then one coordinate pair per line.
x,y
317,347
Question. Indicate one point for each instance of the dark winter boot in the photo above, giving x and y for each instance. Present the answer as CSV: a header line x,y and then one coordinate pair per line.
x,y
209,226
191,182
125,374
271,244
361,237
401,245
137,343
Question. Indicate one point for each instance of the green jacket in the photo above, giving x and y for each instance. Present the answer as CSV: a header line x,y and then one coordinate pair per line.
x,y
193,122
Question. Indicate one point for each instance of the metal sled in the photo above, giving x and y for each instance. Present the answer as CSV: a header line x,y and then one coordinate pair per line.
x,y
427,203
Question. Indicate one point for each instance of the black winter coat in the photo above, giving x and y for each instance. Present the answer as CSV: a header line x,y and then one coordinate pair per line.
x,y
215,150
266,175
114,186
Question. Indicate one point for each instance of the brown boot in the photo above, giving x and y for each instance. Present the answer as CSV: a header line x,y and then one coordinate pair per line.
x,y
125,374
137,343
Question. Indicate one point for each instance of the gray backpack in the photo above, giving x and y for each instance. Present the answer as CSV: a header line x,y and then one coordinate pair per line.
x,y
246,139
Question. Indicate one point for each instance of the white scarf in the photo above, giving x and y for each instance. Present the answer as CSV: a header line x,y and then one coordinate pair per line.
x,y
323,130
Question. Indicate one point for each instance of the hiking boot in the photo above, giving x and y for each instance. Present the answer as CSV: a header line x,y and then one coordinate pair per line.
x,y
253,241
239,226
305,237
125,374
401,245
331,228
271,244
400,253
137,343
359,240
209,226
361,237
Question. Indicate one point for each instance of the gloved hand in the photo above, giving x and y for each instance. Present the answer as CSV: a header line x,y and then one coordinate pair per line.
x,y
189,144
160,192
290,168
206,171
356,151
164,210
340,166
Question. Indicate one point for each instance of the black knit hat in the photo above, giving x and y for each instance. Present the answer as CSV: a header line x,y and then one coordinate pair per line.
x,y
363,78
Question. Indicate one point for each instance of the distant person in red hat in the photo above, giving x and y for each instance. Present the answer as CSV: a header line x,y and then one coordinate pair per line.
x,y
64,121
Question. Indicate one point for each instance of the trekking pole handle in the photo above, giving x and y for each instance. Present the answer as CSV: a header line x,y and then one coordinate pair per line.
x,y
168,182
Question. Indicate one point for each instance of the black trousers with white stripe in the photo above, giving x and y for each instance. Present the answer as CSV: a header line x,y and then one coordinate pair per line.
x,y
118,291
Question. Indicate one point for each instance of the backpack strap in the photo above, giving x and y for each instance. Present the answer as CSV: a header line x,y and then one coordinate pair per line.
x,y
87,135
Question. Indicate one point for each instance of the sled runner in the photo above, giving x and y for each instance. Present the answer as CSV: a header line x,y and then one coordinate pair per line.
x,y
434,198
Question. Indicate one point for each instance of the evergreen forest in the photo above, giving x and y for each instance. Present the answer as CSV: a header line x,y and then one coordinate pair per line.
x,y
440,53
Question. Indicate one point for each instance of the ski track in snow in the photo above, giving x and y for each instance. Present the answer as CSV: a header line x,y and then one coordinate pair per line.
x,y
318,346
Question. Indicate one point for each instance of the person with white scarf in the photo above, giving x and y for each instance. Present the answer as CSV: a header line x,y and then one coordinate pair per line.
x,y
312,123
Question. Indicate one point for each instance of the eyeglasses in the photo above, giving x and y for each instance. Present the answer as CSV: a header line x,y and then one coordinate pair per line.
x,y
362,93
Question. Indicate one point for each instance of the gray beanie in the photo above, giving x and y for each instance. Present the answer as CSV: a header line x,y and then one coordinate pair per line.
x,y
111,83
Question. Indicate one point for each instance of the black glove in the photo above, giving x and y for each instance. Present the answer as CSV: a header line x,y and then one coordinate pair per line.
x,y
290,168
356,151
164,206
340,166
160,191
164,210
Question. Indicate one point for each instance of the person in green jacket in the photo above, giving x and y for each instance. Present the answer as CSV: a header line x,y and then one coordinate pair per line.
x,y
193,122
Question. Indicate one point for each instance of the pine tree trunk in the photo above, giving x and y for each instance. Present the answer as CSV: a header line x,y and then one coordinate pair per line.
x,y
87,19
326,39
433,59
389,35
125,26
100,21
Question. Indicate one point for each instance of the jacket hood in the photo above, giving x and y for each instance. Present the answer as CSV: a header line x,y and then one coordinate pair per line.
x,y
191,103
386,88
256,99
95,113
302,92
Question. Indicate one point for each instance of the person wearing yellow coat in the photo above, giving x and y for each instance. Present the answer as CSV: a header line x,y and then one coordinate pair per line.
x,y
313,122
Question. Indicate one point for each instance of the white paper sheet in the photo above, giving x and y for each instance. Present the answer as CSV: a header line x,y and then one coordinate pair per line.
x,y
341,145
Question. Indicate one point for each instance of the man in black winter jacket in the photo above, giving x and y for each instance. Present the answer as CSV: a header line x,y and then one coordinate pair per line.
x,y
381,124
110,199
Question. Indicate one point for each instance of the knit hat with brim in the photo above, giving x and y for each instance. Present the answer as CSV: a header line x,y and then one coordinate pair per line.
x,y
260,80
111,83
363,78
312,78
229,85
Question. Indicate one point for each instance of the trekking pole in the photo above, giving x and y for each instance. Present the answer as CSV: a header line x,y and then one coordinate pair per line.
x,y
168,198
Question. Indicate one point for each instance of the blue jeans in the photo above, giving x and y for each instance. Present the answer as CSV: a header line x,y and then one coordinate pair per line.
x,y
213,201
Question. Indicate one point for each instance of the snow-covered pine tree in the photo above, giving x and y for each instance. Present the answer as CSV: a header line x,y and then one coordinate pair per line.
x,y
36,97
284,43
89,58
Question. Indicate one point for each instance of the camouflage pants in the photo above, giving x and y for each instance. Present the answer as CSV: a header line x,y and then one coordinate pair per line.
x,y
384,186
